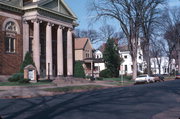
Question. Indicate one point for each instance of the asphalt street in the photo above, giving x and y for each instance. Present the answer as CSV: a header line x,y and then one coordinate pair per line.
x,y
146,101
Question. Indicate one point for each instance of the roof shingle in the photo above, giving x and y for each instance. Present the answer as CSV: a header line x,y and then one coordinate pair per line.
x,y
80,43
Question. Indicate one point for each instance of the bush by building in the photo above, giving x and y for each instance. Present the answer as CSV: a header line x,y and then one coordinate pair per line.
x,y
18,77
106,73
27,61
79,70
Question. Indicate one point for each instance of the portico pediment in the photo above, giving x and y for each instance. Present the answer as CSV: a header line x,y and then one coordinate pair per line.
x,y
58,6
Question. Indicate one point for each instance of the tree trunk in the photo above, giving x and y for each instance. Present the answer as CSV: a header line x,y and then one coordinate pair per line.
x,y
178,56
134,68
148,61
159,69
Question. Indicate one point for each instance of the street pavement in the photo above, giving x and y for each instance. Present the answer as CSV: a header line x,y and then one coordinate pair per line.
x,y
146,101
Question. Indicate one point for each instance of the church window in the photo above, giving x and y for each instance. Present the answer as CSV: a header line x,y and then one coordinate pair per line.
x,y
10,37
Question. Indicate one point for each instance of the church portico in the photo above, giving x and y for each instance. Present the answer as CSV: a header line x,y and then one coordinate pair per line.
x,y
48,36
49,42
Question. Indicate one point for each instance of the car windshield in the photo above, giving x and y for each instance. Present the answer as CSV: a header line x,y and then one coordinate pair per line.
x,y
142,76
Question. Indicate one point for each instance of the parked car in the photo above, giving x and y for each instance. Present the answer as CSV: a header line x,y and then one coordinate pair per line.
x,y
158,77
145,78
177,76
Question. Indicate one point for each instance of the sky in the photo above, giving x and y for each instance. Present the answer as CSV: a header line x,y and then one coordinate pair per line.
x,y
79,7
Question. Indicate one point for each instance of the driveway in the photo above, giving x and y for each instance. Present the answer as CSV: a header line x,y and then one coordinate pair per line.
x,y
148,101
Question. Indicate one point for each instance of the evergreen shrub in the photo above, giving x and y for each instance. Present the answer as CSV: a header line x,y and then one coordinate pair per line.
x,y
79,70
16,77
27,61
106,73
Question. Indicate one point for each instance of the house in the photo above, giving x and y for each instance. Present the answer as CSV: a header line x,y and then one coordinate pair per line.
x,y
99,64
42,27
161,65
84,53
127,65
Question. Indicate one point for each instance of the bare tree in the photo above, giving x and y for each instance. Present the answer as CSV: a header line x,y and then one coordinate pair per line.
x,y
124,12
107,32
149,15
171,25
131,15
93,35
157,52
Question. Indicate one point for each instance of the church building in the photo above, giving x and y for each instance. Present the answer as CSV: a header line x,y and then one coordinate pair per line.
x,y
42,27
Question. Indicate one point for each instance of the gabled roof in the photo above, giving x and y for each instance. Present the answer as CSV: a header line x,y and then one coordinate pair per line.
x,y
80,43
61,7
57,6
123,48
15,3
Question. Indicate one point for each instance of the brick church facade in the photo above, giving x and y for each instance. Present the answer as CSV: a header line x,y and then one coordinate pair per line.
x,y
42,27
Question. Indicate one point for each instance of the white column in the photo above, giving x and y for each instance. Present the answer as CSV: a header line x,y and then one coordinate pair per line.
x,y
60,66
36,46
69,53
49,62
25,38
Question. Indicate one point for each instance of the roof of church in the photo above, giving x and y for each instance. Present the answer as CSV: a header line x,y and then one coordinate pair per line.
x,y
53,6
16,3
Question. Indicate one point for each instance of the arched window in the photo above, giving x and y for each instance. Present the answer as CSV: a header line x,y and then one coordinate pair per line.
x,y
10,36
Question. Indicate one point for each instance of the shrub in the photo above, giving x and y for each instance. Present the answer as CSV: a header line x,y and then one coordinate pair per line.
x,y
16,77
27,61
105,73
99,78
88,77
24,81
79,70
127,77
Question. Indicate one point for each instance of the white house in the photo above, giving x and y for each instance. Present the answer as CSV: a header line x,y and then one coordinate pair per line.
x,y
164,64
127,66
99,64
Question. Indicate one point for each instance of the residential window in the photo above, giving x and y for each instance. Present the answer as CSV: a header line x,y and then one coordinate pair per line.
x,y
10,37
87,53
125,56
125,67
131,67
140,67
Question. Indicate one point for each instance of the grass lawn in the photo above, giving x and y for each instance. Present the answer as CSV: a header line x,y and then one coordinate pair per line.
x,y
28,84
74,88
118,81
125,78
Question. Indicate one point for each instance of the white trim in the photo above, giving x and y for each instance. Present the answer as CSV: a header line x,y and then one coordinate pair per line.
x,y
5,14
51,20
8,20
63,2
